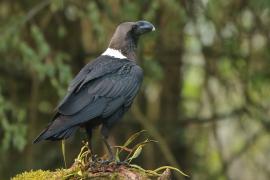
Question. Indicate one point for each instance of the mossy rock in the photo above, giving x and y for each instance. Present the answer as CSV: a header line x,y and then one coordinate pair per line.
x,y
121,173
86,166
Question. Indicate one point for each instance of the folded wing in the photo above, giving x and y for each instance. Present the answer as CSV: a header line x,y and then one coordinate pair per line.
x,y
99,90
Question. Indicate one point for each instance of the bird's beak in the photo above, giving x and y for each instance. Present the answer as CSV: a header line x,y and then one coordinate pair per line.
x,y
144,27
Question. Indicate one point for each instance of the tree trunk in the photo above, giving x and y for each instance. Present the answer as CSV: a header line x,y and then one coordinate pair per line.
x,y
170,56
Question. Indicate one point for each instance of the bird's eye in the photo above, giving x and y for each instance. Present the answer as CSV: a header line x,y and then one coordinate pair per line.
x,y
135,26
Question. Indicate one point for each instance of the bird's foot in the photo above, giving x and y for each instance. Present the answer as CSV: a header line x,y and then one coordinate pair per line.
x,y
105,162
108,161
94,158
113,161
124,163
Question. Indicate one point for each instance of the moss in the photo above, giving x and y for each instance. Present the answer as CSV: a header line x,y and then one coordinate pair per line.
x,y
69,174
39,174
45,175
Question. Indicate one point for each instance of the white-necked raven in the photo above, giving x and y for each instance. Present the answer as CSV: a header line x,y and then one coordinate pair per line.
x,y
103,90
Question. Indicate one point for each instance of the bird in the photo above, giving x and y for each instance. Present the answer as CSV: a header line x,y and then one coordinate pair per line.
x,y
104,89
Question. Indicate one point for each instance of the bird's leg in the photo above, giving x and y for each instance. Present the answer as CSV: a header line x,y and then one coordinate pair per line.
x,y
90,145
111,156
89,137
105,134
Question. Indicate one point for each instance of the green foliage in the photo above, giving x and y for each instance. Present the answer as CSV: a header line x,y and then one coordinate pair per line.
x,y
95,17
153,70
260,4
14,133
35,59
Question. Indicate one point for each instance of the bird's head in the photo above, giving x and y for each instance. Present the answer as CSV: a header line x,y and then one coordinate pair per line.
x,y
126,36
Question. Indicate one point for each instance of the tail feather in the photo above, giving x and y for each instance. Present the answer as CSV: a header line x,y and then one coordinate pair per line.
x,y
66,133
56,130
57,136
40,136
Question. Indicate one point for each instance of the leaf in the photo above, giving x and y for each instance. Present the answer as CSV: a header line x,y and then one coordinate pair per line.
x,y
117,158
80,173
173,168
136,153
64,152
133,137
142,144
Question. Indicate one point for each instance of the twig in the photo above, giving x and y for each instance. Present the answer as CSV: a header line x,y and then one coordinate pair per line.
x,y
35,10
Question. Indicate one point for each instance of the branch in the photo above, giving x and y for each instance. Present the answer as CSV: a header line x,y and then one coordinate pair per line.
x,y
214,118
249,142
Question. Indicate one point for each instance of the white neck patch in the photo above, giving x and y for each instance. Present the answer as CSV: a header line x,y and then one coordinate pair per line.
x,y
114,53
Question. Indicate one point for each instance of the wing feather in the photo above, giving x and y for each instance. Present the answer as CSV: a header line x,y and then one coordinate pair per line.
x,y
102,94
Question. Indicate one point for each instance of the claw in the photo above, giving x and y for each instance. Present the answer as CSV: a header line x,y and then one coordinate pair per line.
x,y
106,162
94,158
125,163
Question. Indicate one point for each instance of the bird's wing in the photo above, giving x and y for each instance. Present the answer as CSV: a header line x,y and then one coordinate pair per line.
x,y
102,95
107,96
99,67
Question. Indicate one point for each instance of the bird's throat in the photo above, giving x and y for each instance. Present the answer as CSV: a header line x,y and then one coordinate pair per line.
x,y
114,53
127,46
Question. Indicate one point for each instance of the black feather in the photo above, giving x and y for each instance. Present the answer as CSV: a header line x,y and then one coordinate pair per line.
x,y
103,89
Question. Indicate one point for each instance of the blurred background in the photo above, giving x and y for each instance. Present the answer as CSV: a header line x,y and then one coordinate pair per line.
x,y
205,95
